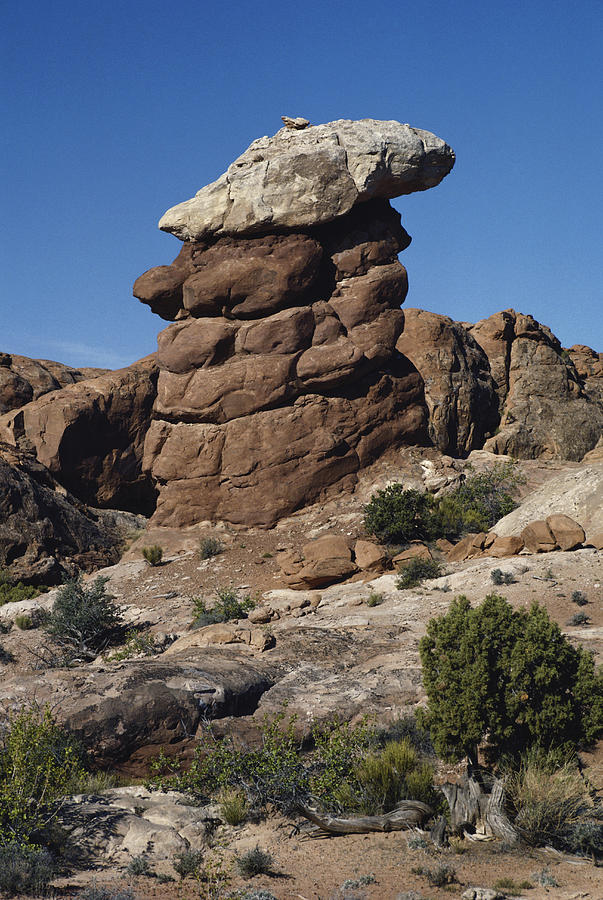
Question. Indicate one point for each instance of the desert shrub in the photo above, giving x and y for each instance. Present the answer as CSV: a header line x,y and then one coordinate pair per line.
x,y
579,598
511,886
395,515
544,878
140,865
38,760
439,876
24,622
12,592
100,892
226,607
84,620
497,576
254,862
137,644
579,619
188,863
509,674
252,894
233,806
415,571
209,547
153,554
585,838
383,777
548,797
408,728
24,870
374,599
417,842
361,881
6,656
346,768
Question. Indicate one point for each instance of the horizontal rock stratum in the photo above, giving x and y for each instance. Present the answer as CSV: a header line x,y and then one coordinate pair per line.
x,y
297,179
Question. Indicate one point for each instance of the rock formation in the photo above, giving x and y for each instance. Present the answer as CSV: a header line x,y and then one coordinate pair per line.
x,y
279,376
44,531
23,379
459,390
90,435
545,411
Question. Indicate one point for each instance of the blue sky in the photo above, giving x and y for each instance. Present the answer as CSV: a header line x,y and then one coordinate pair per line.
x,y
114,112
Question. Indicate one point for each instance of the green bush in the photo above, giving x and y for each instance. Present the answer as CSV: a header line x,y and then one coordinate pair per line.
x,y
38,762
140,865
24,870
374,599
579,598
11,592
210,547
227,606
188,863
512,676
579,618
347,768
84,620
395,515
254,862
416,570
233,806
153,554
498,577
100,892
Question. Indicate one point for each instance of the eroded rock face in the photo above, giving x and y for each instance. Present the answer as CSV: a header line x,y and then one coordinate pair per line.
x,y
545,411
280,377
23,379
459,390
90,435
303,178
44,531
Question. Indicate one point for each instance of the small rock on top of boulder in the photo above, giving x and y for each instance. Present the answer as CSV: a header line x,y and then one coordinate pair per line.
x,y
303,178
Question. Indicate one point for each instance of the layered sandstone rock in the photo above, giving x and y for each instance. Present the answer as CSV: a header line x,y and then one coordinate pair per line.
x,y
545,411
279,376
459,390
23,379
90,435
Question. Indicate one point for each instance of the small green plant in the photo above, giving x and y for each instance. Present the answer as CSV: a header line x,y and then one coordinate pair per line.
x,y
395,515
252,894
153,554
100,892
233,806
374,599
13,592
24,870
544,878
579,618
137,644
210,547
416,842
226,607
579,598
358,882
497,576
24,622
84,620
510,886
188,864
140,865
439,876
416,570
254,862
267,555
38,761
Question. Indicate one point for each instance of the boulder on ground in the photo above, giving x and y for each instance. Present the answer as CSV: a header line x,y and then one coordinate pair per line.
x,y
538,537
370,557
503,547
568,534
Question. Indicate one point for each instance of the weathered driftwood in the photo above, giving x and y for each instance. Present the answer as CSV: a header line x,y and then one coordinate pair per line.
x,y
473,809
408,814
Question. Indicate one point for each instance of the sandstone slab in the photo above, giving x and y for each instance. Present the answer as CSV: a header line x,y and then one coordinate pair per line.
x,y
303,178
538,537
568,534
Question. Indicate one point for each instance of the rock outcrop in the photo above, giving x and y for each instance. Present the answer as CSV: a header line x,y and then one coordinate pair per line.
x,y
45,532
545,411
279,376
90,435
299,179
23,379
459,390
